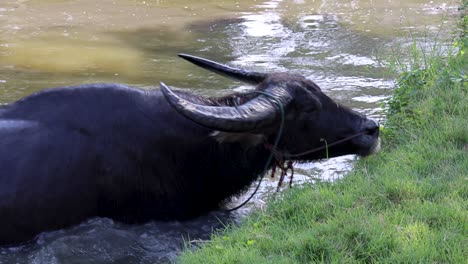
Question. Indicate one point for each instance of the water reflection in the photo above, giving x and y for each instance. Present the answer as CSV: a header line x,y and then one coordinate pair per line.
x,y
62,42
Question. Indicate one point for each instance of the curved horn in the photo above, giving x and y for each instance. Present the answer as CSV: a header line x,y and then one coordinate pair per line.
x,y
254,114
233,73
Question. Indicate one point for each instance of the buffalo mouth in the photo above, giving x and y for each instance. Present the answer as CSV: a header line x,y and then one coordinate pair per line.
x,y
370,148
369,142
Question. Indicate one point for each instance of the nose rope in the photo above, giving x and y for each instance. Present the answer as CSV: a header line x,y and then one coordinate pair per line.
x,y
282,159
280,106
286,155
283,162
284,168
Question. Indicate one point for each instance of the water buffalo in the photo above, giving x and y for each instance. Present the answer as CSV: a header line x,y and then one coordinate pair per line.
x,y
109,150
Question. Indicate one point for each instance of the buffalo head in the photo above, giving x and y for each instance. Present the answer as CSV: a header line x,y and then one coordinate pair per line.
x,y
312,120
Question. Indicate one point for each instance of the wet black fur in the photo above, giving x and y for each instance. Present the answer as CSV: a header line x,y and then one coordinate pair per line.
x,y
72,153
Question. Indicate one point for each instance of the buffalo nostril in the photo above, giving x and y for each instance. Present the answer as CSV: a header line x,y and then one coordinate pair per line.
x,y
371,126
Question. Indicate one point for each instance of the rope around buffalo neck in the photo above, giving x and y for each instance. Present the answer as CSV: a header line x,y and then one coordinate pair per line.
x,y
280,106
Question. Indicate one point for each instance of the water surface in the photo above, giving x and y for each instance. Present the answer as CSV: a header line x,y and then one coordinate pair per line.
x,y
50,43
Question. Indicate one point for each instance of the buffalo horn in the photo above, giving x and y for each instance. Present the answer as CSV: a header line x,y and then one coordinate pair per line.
x,y
254,114
233,73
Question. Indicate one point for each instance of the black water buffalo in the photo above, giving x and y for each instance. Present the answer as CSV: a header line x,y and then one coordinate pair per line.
x,y
72,153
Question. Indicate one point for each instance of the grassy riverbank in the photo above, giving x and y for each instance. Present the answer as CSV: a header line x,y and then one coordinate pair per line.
x,y
408,204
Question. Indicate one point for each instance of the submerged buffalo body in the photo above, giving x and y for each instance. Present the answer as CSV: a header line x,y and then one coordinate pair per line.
x,y
71,153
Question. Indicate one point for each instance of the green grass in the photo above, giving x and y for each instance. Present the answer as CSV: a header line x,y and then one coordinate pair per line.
x,y
408,204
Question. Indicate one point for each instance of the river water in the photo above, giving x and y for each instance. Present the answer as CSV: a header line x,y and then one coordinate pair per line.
x,y
338,44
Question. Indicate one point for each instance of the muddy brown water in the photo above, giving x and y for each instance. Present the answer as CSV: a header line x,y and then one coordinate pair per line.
x,y
50,43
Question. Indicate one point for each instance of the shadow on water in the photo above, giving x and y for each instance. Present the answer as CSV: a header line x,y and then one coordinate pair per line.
x,y
136,43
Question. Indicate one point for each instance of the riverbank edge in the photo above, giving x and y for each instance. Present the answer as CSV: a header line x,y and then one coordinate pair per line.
x,y
408,204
